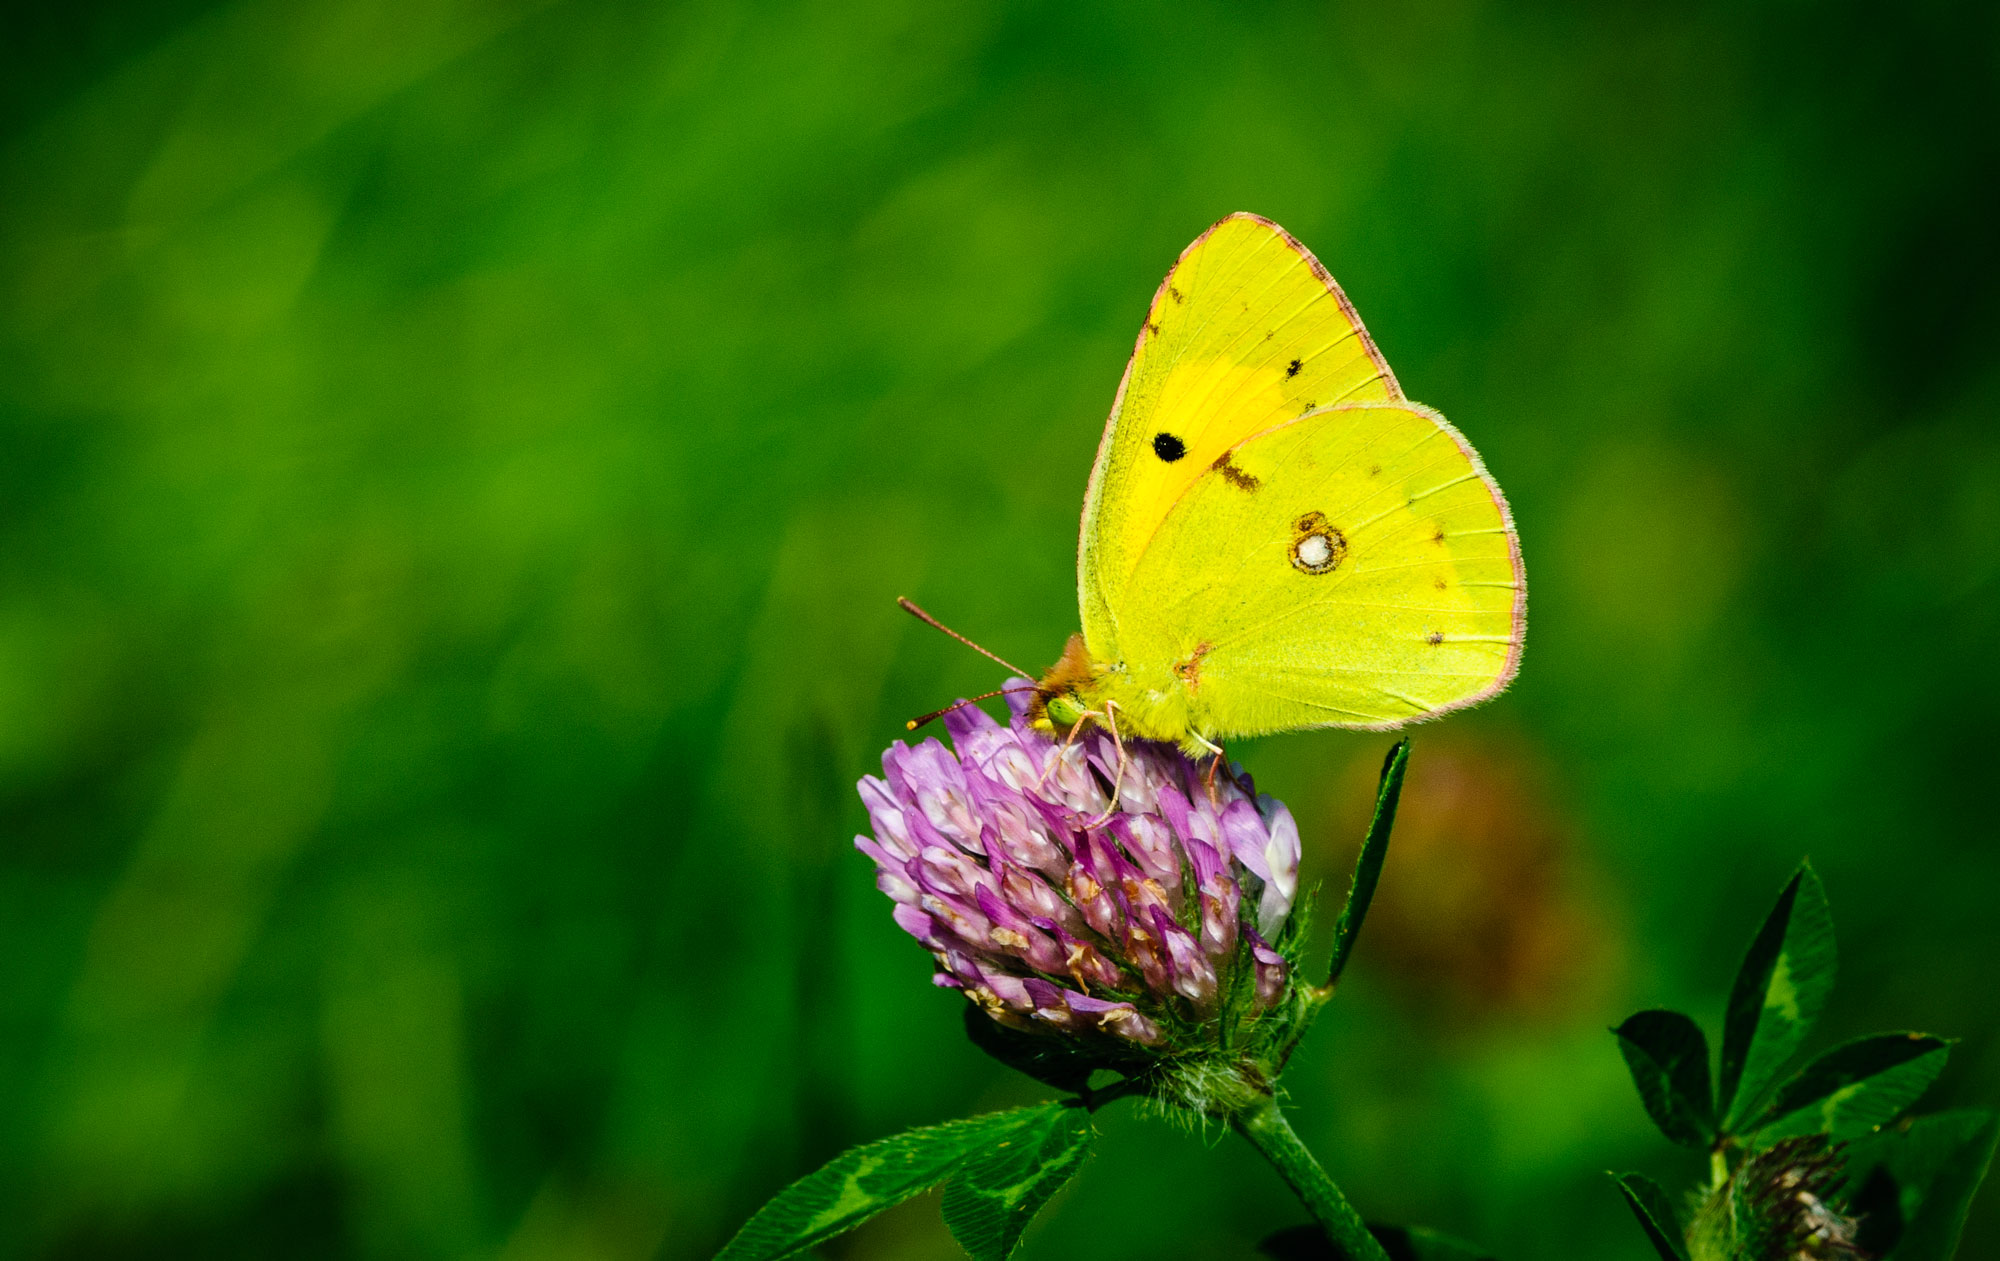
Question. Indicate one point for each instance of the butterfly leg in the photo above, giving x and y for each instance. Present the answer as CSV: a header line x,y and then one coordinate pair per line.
x,y
1068,739
1214,751
1118,777
1230,771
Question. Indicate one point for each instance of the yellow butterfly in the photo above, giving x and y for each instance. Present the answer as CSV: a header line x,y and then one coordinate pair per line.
x,y
1274,537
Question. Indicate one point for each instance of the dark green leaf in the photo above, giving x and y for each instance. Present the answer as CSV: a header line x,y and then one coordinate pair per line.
x,y
1046,1059
1299,1243
1668,1057
1875,1203
1655,1213
1402,1243
1932,1164
1855,1087
992,1198
1779,991
1368,863
1416,1243
861,1182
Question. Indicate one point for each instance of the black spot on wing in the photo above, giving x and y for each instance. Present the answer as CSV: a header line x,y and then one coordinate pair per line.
x,y
1292,368
1168,447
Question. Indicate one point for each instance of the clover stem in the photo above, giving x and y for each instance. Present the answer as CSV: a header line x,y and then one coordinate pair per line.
x,y
1263,1124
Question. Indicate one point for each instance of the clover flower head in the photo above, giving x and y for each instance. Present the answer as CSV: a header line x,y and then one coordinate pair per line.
x,y
1146,926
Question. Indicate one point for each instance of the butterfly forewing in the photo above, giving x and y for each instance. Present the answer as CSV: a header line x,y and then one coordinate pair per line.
x,y
1247,331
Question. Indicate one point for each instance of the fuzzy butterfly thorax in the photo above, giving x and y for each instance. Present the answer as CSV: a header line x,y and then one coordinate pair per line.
x,y
1064,695
1079,691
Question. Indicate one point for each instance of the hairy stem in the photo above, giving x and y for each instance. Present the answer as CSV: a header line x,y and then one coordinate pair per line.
x,y
1264,1124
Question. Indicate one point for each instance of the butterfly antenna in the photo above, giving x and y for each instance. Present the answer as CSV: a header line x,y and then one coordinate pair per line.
x,y
910,607
936,714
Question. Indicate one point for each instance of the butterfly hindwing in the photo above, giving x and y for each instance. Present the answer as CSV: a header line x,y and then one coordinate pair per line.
x,y
1355,567
1247,331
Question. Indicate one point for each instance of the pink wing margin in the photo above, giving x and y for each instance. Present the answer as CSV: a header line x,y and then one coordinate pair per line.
x,y
1518,623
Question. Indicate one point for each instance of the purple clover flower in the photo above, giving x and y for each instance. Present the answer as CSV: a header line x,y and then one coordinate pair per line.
x,y
1150,927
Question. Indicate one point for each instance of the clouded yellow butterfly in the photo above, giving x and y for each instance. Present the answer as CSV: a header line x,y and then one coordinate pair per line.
x,y
1274,537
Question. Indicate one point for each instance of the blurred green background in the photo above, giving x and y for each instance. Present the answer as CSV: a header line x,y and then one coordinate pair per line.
x,y
457,459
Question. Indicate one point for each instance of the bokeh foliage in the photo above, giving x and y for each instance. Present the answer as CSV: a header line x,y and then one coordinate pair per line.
x,y
456,461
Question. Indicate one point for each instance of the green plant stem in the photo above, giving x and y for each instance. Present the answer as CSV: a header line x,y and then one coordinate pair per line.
x,y
1264,1124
